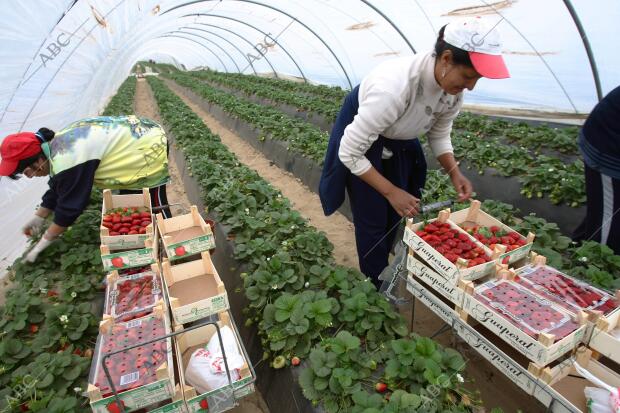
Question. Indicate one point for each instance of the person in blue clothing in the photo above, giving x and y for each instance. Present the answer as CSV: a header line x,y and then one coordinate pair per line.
x,y
373,151
599,144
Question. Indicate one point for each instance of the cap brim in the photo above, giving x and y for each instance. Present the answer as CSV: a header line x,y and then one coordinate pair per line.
x,y
490,66
7,167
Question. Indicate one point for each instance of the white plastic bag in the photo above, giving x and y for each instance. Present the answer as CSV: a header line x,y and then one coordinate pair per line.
x,y
606,398
206,370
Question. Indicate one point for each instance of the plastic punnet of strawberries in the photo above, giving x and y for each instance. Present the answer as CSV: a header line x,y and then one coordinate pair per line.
x,y
568,293
136,367
127,221
526,310
452,244
491,236
135,296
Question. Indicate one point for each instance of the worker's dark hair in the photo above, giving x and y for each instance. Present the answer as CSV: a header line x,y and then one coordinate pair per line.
x,y
459,56
44,135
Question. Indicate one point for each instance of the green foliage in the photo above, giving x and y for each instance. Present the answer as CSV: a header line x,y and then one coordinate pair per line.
x,y
122,102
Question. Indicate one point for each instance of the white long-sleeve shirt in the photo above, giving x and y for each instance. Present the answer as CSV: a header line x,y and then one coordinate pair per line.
x,y
400,99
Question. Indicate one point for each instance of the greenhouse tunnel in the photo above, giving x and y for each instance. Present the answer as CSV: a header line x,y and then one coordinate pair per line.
x,y
63,60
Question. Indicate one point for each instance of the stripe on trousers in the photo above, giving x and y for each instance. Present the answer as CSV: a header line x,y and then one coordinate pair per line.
x,y
608,207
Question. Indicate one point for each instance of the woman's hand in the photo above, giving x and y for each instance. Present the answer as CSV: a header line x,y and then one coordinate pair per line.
x,y
462,185
405,204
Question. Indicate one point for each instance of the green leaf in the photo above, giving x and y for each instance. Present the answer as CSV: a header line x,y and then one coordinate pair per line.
x,y
72,373
45,381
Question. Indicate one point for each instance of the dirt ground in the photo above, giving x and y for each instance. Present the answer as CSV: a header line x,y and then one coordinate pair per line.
x,y
145,105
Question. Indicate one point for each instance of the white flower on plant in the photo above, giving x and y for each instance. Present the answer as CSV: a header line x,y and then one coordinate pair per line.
x,y
583,259
460,378
307,284
247,210
284,243
293,226
77,389
279,195
268,258
43,290
73,294
551,169
64,319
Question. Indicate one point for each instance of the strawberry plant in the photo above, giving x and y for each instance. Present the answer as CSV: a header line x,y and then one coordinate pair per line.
x,y
122,102
293,322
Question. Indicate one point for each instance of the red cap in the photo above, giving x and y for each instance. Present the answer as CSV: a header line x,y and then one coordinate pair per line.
x,y
489,65
15,148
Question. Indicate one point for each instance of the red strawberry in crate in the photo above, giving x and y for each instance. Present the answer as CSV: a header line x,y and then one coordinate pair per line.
x,y
180,251
204,404
113,407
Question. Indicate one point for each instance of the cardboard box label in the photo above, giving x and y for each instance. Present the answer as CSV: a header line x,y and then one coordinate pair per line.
x,y
137,398
128,259
435,281
174,407
200,309
120,242
428,299
515,372
190,247
437,261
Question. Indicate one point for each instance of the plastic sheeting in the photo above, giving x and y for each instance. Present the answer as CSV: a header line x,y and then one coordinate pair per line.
x,y
63,59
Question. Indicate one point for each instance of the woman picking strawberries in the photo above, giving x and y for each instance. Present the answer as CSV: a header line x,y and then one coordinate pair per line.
x,y
126,153
373,150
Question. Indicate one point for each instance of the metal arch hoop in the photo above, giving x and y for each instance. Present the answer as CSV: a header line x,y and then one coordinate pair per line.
x,y
586,44
253,27
391,24
211,41
231,43
197,42
285,13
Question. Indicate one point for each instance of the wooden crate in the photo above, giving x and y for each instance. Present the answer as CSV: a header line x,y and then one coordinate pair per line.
x,y
218,400
602,339
125,242
541,351
435,281
561,388
194,289
140,397
439,263
185,235
475,214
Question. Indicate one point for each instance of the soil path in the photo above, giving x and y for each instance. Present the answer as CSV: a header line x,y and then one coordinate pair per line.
x,y
337,228
146,106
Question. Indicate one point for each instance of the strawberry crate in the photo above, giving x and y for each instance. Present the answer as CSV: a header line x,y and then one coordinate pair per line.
x,y
562,388
534,326
605,336
435,281
194,289
132,296
127,259
141,376
438,253
571,294
185,235
222,397
132,212
492,232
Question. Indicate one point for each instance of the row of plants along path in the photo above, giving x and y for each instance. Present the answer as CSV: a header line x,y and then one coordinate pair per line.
x,y
539,175
591,261
327,101
304,306
48,324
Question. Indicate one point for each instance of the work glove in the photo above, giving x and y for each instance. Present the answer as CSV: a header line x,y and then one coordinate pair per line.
x,y
34,252
33,225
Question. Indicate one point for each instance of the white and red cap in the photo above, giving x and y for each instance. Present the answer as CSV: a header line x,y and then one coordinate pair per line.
x,y
482,41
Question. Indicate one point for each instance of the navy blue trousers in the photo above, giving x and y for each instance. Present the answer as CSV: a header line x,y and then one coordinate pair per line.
x,y
375,221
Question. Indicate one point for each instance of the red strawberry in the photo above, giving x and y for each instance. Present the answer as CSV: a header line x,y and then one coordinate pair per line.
x,y
34,328
380,387
179,250
494,229
114,407
204,404
295,361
